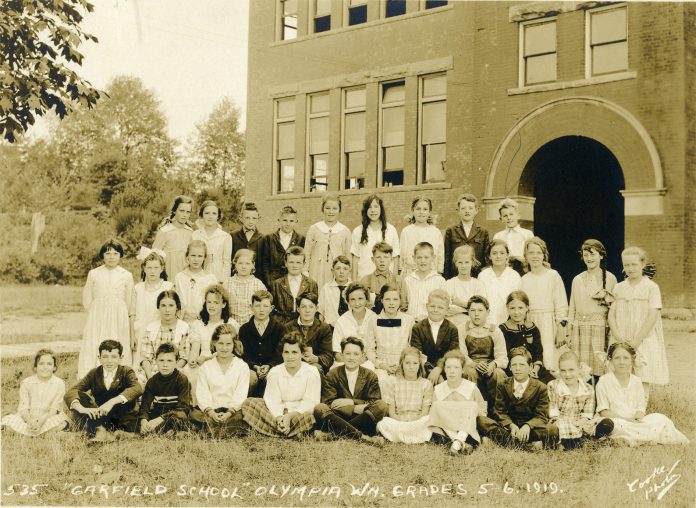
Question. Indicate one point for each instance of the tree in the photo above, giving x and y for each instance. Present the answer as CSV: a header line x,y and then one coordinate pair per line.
x,y
38,42
219,151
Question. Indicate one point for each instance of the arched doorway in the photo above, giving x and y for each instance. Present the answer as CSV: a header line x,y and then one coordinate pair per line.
x,y
575,181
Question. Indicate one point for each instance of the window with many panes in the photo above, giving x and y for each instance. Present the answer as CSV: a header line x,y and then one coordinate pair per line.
x,y
392,99
433,127
322,15
318,141
288,19
537,52
357,12
353,142
285,144
607,41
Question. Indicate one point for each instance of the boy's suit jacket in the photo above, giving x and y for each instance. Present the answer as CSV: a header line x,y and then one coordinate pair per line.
x,y
272,254
319,336
239,241
125,383
283,300
455,236
422,339
532,408
336,386
261,349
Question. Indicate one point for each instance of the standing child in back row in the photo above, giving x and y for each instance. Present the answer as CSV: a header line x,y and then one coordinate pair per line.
x,y
275,245
374,228
513,235
174,235
465,232
421,229
248,236
325,240
218,242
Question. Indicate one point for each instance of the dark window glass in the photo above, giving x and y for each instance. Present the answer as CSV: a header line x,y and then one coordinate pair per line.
x,y
432,4
395,8
357,15
322,24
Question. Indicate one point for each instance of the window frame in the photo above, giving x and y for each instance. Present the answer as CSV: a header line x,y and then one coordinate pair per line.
x,y
588,40
277,162
347,8
420,160
313,18
522,62
383,10
345,110
380,128
309,162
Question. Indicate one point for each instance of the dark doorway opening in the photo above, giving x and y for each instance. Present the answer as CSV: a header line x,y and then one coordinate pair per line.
x,y
576,183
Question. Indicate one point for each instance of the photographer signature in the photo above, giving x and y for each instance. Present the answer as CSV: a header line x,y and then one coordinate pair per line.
x,y
658,482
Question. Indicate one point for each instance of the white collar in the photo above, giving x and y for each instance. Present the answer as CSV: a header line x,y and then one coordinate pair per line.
x,y
414,276
324,227
517,383
465,388
563,389
433,323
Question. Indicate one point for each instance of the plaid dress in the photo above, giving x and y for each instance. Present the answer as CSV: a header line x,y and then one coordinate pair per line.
x,y
240,296
409,400
572,414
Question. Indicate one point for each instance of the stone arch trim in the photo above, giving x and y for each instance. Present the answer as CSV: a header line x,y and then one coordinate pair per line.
x,y
592,117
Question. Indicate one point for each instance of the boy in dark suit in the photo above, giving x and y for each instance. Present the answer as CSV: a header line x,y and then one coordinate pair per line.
x,y
435,335
248,236
521,408
166,402
317,347
260,337
286,289
351,404
105,397
273,246
466,232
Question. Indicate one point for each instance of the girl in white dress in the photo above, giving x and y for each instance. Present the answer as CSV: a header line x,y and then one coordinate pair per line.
x,y
463,286
325,240
635,318
499,280
409,396
40,406
391,332
548,304
374,229
174,235
421,229
219,242
192,282
620,396
107,298
144,302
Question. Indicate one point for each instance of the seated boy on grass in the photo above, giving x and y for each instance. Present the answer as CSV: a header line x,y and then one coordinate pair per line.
x,y
166,402
521,408
351,402
105,398
435,335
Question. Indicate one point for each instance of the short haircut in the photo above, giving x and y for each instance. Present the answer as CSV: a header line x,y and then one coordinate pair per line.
x,y
307,295
621,345
424,246
244,252
341,259
208,203
466,250
478,299
295,250
111,244
197,244
227,329
466,197
46,352
291,338
261,295
250,207
635,251
520,351
518,295
382,247
352,340
287,210
386,288
507,203
356,286
456,354
169,293
410,351
568,355
165,348
331,197
440,294
110,345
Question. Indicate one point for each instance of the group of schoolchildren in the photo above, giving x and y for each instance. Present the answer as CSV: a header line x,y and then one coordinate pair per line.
x,y
368,334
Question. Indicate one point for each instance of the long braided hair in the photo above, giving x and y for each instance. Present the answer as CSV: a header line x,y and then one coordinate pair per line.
x,y
366,220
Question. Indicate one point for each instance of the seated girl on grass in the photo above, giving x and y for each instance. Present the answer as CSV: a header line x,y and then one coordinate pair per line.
x,y
40,407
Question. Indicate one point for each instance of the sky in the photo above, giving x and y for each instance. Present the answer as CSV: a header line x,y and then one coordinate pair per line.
x,y
190,52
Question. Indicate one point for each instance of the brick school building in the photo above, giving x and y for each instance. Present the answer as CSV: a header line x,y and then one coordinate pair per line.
x,y
585,112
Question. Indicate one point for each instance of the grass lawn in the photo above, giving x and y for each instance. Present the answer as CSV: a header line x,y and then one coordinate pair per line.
x,y
193,471
39,300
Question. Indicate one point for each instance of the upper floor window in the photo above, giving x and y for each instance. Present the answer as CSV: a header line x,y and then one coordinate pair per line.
x,y
433,127
353,143
285,144
537,52
357,12
607,41
322,15
318,141
432,4
394,8
288,19
392,133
